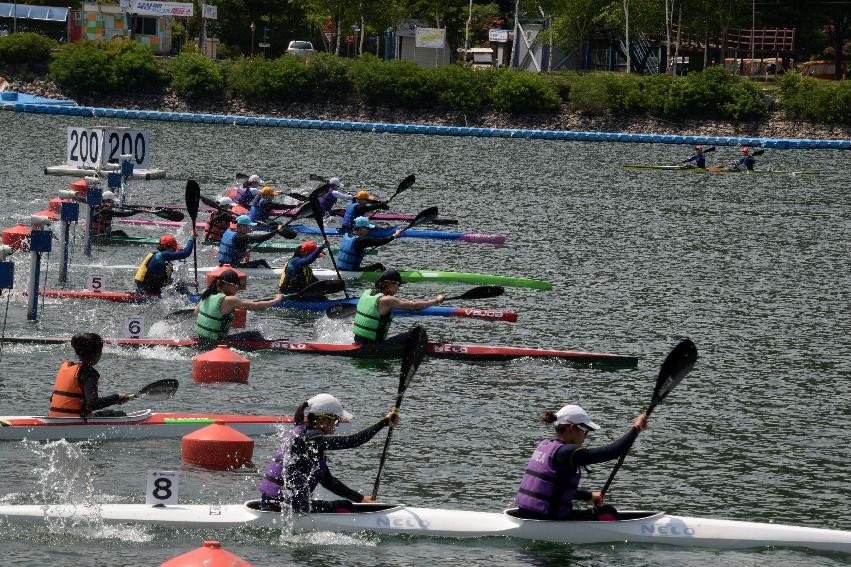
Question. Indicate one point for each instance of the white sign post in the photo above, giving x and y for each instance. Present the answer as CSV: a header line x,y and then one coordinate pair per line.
x,y
162,488
84,148
93,148
134,327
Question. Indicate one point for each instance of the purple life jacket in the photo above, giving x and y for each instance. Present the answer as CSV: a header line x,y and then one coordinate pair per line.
x,y
542,490
305,467
326,201
244,196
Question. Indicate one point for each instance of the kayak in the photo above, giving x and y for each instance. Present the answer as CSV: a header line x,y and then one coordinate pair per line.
x,y
497,239
135,425
717,170
434,311
268,246
451,351
408,276
398,519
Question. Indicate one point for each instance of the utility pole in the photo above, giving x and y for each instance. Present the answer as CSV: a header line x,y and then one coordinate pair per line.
x,y
516,35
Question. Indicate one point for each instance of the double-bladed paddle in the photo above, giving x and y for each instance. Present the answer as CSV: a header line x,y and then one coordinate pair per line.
x,y
415,350
403,185
157,391
706,151
319,217
344,310
193,197
242,178
677,364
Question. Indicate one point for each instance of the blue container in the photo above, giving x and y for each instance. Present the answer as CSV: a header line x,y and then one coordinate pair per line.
x,y
94,196
113,180
7,275
41,240
69,212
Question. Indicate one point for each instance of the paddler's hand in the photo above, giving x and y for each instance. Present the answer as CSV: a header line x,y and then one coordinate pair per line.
x,y
194,233
597,499
384,206
124,398
367,500
640,422
438,299
280,297
393,418
398,233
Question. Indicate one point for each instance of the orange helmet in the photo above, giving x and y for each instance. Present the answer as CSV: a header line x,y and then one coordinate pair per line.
x,y
168,240
746,150
308,247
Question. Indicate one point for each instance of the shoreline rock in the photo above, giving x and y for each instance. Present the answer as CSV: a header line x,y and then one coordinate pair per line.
x,y
776,125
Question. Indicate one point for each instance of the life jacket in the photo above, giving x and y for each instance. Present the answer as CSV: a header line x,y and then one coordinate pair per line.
x,y
218,223
228,253
101,221
700,161
749,162
295,471
260,209
542,490
212,323
369,324
67,398
294,279
349,216
150,279
244,196
348,258
327,201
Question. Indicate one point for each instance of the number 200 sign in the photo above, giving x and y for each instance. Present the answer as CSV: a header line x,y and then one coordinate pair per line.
x,y
94,147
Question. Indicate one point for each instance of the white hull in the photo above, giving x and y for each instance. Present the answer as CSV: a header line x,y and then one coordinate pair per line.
x,y
647,527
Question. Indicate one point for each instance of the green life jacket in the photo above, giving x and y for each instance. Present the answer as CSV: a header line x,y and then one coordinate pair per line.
x,y
369,324
211,323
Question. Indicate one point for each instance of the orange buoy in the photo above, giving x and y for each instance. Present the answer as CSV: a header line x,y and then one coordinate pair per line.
x,y
220,365
48,213
17,237
217,447
239,318
243,279
80,187
210,554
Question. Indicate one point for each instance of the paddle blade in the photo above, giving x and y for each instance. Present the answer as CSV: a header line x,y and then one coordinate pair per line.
x,y
415,351
159,390
179,313
482,292
314,177
406,183
315,207
708,150
677,364
341,310
322,287
171,214
240,178
758,152
193,197
424,217
298,197
210,202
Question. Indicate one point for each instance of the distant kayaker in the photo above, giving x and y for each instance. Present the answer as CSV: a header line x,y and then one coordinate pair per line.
x,y
330,197
249,190
103,214
375,310
155,271
699,158
215,311
263,205
75,392
551,482
220,219
353,247
300,465
297,273
234,243
364,203
747,161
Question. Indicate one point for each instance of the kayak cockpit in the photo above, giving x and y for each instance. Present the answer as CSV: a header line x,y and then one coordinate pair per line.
x,y
622,516
357,508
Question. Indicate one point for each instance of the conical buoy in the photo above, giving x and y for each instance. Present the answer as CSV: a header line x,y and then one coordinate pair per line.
x,y
243,279
48,213
218,447
210,554
17,237
239,318
80,187
220,365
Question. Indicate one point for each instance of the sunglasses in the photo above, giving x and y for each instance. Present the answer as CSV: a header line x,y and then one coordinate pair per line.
x,y
330,416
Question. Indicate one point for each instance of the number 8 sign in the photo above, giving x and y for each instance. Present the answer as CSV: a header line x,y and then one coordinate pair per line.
x,y
162,488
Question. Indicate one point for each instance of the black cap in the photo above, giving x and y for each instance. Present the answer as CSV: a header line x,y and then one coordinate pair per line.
x,y
229,276
390,275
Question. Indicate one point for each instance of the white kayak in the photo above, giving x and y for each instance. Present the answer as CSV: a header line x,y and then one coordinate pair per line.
x,y
136,425
634,527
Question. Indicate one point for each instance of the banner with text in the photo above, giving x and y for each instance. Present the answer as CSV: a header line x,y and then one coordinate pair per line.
x,y
148,8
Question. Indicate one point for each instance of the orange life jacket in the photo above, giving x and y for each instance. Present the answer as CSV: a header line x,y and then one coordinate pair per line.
x,y
67,398
101,221
218,224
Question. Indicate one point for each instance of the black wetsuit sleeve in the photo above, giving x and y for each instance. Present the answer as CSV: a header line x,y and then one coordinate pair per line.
x,y
582,456
88,380
336,442
332,484
364,242
241,241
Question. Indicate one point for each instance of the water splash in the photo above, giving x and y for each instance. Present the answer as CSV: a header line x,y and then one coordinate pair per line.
x,y
337,331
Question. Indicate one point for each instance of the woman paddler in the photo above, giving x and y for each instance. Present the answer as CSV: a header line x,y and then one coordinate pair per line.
x,y
215,311
155,271
331,195
220,219
353,247
551,482
234,244
300,464
75,393
297,273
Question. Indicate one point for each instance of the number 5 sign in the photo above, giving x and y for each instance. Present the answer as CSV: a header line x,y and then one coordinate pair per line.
x,y
162,488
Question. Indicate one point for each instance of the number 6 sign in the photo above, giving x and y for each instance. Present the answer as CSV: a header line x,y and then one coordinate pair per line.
x,y
162,488
134,327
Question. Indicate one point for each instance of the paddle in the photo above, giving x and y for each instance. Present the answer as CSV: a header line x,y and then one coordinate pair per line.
x,y
415,350
241,178
425,216
322,287
344,310
314,177
167,214
677,364
403,185
157,391
706,151
193,196
319,217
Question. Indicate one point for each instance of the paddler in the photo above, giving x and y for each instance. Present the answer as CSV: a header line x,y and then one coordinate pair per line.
x,y
364,203
249,190
699,158
75,392
263,205
103,214
330,197
747,161
297,273
216,308
353,247
551,482
155,271
375,310
300,465
220,219
234,244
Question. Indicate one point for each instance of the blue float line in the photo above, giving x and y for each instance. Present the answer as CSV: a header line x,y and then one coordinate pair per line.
x,y
379,127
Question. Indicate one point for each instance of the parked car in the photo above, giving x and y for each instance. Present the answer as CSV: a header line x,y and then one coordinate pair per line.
x,y
300,48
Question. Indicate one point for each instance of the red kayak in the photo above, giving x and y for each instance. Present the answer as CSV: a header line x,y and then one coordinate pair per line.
x,y
113,296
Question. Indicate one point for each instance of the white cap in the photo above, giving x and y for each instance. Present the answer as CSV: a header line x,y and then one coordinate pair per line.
x,y
327,404
224,201
575,415
107,196
256,178
335,181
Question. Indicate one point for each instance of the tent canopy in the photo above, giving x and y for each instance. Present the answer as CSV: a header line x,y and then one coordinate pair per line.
x,y
28,12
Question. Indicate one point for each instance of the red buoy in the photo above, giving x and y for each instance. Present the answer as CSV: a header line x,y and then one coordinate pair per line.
x,y
80,187
17,237
48,213
220,365
210,554
217,447
240,316
243,279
